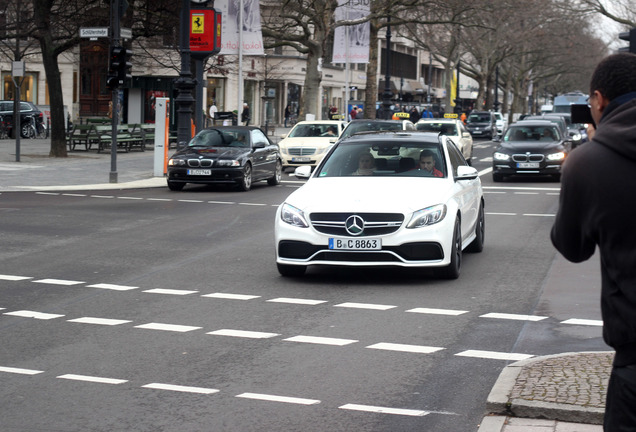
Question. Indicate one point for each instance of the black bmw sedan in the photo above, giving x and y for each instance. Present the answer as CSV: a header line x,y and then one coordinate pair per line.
x,y
530,147
237,155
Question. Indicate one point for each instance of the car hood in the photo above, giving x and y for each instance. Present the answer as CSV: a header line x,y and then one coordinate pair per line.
x,y
211,153
477,124
307,141
370,194
523,146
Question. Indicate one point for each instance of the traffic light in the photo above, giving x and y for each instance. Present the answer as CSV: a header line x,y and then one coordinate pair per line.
x,y
114,66
125,66
630,37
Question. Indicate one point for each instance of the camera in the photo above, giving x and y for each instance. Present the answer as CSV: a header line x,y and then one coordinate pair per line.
x,y
581,114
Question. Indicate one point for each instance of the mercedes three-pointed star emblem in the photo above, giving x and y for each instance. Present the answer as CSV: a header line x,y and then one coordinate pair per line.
x,y
354,225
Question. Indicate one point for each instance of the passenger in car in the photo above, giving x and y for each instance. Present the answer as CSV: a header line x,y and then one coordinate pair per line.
x,y
366,165
548,135
427,164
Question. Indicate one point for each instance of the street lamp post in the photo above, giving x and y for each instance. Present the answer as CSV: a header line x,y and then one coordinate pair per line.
x,y
184,84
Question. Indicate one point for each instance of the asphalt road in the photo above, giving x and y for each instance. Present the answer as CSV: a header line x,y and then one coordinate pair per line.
x,y
150,310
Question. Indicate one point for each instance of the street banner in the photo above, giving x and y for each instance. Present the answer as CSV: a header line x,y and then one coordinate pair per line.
x,y
250,27
351,43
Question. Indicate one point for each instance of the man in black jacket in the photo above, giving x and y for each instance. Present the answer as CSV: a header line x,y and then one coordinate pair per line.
x,y
597,206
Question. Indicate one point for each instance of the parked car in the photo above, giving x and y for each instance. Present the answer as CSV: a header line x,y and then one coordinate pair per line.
x,y
390,214
308,141
482,124
453,128
26,109
502,123
374,125
530,147
237,155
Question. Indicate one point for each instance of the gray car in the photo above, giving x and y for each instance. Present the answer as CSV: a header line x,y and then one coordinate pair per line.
x,y
27,109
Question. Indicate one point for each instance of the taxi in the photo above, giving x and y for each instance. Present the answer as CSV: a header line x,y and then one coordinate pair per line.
x,y
452,127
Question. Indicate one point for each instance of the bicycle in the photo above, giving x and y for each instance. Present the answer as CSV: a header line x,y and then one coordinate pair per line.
x,y
4,132
32,128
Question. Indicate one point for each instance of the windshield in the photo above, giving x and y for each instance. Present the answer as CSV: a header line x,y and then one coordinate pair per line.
x,y
218,138
313,130
370,126
448,129
413,159
531,133
479,118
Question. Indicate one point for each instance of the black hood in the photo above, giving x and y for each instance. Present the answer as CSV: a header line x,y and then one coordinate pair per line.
x,y
212,152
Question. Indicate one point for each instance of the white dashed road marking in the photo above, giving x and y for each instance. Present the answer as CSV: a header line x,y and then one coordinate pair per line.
x,y
32,314
320,340
365,306
273,398
243,334
405,348
113,287
167,327
231,296
586,322
14,278
513,317
179,388
58,282
99,321
169,291
384,410
493,355
437,311
94,379
297,301
20,371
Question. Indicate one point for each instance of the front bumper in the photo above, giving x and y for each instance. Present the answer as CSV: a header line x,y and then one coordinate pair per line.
x,y
218,175
511,168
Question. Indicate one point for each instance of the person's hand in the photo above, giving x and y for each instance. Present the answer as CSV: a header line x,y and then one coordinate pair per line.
x,y
591,130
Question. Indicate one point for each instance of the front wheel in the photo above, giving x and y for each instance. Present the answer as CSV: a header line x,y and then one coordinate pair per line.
x,y
278,174
27,131
452,270
477,245
173,186
245,183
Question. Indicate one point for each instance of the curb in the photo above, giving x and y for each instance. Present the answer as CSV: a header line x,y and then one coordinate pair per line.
x,y
501,401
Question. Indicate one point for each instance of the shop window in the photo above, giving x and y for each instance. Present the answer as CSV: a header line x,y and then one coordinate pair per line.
x,y
28,87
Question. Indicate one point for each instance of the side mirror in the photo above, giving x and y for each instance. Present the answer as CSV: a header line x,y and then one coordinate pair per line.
x,y
283,136
465,172
303,172
259,145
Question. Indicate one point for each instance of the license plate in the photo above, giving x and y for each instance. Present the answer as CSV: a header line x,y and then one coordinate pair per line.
x,y
301,159
355,244
202,172
528,165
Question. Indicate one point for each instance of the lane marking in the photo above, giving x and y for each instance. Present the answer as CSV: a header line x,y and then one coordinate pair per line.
x,y
243,334
384,410
526,193
169,291
47,193
251,204
190,201
159,199
221,202
94,379
229,296
588,322
180,388
58,282
320,340
99,321
494,355
513,316
297,301
421,349
274,398
539,214
437,311
113,287
500,214
74,194
365,306
103,196
14,278
528,188
129,198
168,327
33,314
20,371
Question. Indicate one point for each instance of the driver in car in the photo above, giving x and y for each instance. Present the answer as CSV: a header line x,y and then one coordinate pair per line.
x,y
427,164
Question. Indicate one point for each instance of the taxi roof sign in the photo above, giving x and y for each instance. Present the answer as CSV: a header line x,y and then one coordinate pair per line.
x,y
402,114
450,115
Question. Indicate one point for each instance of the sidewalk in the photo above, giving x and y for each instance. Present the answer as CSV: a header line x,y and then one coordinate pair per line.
x,y
558,393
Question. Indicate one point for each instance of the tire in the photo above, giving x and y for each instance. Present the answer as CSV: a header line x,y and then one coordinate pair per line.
x,y
291,270
27,131
477,244
496,177
245,183
173,186
453,270
278,174
556,177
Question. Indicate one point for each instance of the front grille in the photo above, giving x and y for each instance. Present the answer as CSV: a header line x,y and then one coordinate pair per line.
x,y
528,157
204,163
301,151
375,224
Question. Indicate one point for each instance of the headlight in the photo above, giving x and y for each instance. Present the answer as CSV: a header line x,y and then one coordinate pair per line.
x,y
283,150
293,216
556,156
175,162
427,216
228,163
576,137
501,156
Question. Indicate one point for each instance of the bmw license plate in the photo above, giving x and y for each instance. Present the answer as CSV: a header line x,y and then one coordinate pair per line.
x,y
201,172
527,164
355,244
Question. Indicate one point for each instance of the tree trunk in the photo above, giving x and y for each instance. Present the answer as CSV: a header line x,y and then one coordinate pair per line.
x,y
313,78
371,87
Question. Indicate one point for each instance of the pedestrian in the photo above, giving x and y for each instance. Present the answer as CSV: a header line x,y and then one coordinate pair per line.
x,y
287,113
414,115
463,117
213,111
359,113
595,209
245,115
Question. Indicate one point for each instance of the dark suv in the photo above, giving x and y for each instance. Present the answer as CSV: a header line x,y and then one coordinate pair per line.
x,y
482,123
26,109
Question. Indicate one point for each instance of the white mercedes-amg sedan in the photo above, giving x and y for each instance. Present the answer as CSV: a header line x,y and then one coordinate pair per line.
x,y
404,199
